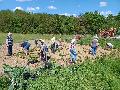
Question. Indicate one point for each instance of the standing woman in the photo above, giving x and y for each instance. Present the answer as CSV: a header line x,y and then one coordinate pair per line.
x,y
73,52
9,43
44,50
54,45
94,45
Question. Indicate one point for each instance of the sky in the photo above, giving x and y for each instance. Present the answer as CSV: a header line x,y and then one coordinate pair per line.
x,y
63,7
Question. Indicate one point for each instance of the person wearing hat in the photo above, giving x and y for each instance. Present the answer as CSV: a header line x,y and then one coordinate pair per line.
x,y
25,45
54,45
109,46
44,50
94,45
73,52
9,43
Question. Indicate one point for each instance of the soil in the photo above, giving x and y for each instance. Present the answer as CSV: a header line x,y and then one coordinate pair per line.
x,y
61,57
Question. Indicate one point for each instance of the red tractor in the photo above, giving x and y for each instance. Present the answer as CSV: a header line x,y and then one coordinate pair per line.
x,y
108,33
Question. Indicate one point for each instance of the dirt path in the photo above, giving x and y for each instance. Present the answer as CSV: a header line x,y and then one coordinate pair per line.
x,y
61,57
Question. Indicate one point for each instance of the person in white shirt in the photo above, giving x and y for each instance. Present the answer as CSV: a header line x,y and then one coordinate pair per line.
x,y
109,45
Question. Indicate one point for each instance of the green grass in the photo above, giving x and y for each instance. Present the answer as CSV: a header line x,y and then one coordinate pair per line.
x,y
22,37
84,41
87,40
103,74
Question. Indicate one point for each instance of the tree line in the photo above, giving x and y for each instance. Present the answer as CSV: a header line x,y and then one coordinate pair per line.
x,y
19,21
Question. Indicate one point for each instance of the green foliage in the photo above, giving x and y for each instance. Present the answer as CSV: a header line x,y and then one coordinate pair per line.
x,y
32,59
15,74
4,83
24,22
102,74
85,40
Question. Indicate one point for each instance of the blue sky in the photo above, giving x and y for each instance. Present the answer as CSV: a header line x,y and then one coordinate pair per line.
x,y
66,7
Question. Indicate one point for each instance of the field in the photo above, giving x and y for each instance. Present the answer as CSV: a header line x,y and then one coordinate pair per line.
x,y
102,73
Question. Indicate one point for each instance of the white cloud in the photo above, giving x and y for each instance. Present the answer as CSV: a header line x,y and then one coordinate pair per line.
x,y
108,12
75,15
23,0
52,7
37,8
32,8
103,4
105,13
20,8
67,14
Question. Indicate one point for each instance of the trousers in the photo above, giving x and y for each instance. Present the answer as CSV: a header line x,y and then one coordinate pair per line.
x,y
10,49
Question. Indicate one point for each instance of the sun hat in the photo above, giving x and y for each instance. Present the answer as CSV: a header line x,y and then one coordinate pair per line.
x,y
53,39
73,41
9,34
41,40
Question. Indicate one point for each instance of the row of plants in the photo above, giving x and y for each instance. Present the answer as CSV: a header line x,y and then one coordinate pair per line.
x,y
102,74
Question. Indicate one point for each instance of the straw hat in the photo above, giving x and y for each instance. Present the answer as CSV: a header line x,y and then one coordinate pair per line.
x,y
73,41
96,37
9,34
41,40
53,39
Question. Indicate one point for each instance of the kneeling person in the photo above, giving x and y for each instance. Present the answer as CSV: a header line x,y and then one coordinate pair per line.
x,y
109,46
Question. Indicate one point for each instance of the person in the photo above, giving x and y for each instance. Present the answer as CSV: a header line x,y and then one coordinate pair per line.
x,y
73,52
25,45
43,52
109,45
94,45
54,45
9,43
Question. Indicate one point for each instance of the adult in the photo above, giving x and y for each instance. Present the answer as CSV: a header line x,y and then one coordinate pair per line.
x,y
54,45
9,43
73,52
44,50
26,45
94,45
109,46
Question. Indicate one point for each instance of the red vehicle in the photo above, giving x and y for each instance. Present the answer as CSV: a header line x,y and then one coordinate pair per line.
x,y
108,33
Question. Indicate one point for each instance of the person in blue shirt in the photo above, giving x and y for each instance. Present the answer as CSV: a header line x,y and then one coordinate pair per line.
x,y
9,43
73,52
25,45
94,45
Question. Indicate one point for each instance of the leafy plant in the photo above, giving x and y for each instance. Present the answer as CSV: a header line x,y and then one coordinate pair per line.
x,y
32,59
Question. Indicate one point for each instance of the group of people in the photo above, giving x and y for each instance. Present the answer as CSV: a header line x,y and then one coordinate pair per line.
x,y
54,46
